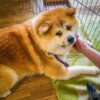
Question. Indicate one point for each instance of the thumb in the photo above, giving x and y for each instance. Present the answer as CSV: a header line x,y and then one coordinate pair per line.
x,y
74,45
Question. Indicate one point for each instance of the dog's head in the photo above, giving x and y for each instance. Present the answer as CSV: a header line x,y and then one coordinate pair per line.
x,y
56,30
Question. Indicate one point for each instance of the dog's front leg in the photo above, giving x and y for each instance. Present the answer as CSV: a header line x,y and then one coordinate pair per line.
x,y
63,73
81,70
55,71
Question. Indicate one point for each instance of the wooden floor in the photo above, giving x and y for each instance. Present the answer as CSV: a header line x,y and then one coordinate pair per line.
x,y
33,88
15,11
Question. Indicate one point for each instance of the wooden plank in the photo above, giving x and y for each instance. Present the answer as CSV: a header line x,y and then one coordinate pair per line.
x,y
33,88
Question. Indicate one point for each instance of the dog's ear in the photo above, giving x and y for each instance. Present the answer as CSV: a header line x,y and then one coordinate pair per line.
x,y
71,11
43,28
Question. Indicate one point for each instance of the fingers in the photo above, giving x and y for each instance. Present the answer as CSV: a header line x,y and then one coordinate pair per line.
x,y
77,36
78,40
74,46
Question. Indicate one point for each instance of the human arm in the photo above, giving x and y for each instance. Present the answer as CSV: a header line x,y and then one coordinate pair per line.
x,y
89,52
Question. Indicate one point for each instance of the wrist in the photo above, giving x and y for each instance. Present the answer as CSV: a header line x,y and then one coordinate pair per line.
x,y
85,48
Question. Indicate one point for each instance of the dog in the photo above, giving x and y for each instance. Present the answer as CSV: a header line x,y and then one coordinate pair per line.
x,y
38,46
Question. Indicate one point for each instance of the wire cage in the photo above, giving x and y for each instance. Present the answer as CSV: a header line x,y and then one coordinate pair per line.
x,y
89,15
88,12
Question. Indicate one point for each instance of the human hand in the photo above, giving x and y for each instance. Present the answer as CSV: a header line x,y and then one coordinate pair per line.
x,y
80,45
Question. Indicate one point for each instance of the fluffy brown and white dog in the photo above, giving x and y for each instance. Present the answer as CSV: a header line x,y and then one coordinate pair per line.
x,y
37,46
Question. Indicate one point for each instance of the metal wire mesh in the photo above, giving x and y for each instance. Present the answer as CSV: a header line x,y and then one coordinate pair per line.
x,y
88,12
89,15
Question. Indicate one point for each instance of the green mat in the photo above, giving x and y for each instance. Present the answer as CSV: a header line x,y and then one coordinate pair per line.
x,y
75,88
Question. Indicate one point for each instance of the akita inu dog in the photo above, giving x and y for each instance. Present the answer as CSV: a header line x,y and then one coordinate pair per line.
x,y
37,46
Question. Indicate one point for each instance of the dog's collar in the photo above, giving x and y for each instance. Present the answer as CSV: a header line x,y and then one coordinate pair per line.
x,y
61,61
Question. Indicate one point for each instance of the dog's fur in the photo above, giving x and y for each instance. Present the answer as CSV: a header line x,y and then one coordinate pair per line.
x,y
24,48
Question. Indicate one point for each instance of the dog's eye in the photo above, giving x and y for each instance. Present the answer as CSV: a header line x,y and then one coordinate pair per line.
x,y
68,27
59,33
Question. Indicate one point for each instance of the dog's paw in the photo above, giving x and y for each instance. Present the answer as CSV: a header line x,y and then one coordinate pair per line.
x,y
81,70
94,70
90,70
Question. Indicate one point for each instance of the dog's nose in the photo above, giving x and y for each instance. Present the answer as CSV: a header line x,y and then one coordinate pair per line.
x,y
70,39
